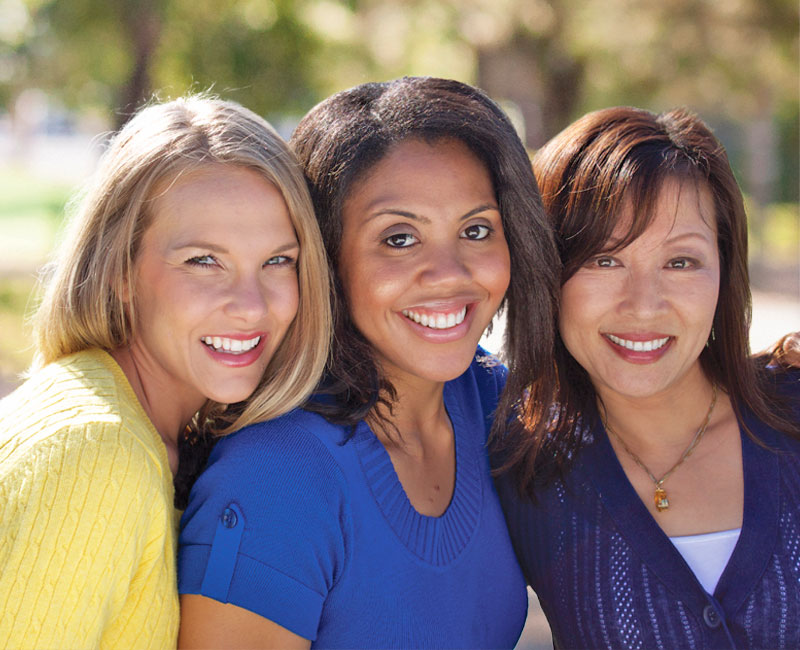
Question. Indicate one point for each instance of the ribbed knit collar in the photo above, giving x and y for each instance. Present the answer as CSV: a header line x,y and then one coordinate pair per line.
x,y
435,540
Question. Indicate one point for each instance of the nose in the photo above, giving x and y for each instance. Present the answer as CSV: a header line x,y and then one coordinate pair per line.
x,y
246,299
445,266
643,294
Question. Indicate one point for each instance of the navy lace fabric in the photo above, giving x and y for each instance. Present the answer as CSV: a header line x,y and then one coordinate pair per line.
x,y
608,577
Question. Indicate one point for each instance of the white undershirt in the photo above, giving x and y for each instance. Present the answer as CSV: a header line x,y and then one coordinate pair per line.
x,y
707,555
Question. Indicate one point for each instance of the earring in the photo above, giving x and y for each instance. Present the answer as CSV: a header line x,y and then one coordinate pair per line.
x,y
711,338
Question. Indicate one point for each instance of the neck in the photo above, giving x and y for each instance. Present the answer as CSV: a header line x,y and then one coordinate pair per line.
x,y
418,416
666,420
159,400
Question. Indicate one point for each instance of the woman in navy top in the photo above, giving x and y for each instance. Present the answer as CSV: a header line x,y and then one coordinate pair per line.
x,y
369,519
662,509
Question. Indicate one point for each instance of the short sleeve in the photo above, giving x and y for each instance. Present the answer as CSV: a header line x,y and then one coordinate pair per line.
x,y
265,528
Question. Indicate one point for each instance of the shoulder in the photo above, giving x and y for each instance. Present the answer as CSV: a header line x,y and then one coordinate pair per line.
x,y
285,482
294,457
296,435
70,425
787,383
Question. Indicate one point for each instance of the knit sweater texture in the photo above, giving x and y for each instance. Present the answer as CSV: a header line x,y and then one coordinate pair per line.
x,y
608,577
311,528
87,525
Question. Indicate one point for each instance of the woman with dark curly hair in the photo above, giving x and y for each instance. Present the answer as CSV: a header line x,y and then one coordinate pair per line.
x,y
369,518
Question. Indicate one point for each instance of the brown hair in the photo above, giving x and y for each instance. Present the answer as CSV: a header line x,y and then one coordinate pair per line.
x,y
343,137
621,157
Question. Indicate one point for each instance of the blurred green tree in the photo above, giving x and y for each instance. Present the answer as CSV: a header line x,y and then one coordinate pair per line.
x,y
113,54
735,62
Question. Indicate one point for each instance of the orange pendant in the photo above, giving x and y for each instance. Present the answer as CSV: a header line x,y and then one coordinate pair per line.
x,y
662,502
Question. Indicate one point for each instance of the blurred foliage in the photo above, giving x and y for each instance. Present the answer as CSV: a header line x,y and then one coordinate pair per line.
x,y
548,61
16,351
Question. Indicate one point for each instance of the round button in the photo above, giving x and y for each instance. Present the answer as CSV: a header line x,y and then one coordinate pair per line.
x,y
710,616
228,518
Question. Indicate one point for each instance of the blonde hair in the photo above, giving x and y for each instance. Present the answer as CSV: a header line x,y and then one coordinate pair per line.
x,y
82,303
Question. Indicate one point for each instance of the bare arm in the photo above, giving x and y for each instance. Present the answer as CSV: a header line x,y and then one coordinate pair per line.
x,y
208,623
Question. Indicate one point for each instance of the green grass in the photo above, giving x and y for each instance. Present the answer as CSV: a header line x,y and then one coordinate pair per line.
x,y
23,195
31,213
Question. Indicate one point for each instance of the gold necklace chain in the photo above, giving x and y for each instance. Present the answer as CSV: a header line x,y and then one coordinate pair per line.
x,y
660,497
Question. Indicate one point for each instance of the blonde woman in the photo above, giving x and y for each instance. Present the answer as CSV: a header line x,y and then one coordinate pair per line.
x,y
193,277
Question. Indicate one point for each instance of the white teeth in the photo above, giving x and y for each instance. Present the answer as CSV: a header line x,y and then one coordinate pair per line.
x,y
437,321
639,346
231,346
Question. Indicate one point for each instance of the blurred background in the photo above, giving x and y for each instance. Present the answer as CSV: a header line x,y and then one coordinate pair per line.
x,y
71,72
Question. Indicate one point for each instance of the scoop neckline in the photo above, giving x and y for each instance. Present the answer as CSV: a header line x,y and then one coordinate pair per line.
x,y
437,540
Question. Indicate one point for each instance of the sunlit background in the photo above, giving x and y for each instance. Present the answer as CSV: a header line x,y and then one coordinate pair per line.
x,y
72,71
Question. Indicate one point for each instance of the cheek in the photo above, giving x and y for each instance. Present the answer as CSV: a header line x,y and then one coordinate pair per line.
x,y
495,270
373,286
284,295
575,322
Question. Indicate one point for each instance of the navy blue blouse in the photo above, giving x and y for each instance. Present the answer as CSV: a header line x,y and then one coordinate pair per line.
x,y
608,577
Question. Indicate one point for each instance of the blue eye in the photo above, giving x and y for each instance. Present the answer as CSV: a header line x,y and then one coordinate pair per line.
x,y
400,240
202,260
476,232
280,260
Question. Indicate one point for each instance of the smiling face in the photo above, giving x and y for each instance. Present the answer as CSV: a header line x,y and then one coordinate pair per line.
x,y
423,261
637,319
215,285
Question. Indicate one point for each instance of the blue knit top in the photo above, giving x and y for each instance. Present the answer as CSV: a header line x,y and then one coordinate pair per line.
x,y
315,533
608,577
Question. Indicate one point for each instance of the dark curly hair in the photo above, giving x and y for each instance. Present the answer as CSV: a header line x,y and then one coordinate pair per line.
x,y
342,138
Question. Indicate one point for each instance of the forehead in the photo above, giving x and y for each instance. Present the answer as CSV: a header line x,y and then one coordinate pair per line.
x,y
679,206
417,168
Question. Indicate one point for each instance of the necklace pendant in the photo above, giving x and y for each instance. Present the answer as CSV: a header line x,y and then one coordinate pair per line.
x,y
662,502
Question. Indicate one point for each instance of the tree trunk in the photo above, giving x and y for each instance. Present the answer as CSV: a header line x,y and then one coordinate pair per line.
x,y
141,21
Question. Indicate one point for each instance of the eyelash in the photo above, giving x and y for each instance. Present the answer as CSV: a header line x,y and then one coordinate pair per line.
x,y
688,261
488,233
285,260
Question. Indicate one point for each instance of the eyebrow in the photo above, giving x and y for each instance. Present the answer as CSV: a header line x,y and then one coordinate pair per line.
x,y
613,242
694,234
423,219
216,248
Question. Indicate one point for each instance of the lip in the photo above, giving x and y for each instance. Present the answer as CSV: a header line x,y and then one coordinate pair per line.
x,y
441,335
238,360
639,356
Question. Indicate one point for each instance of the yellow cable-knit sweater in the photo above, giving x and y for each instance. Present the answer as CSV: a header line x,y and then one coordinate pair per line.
x,y
87,525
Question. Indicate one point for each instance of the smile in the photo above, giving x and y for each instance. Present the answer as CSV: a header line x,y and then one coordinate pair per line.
x,y
639,346
437,321
230,346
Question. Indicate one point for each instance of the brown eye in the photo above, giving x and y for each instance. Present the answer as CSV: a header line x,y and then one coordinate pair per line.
x,y
400,240
476,232
605,262
680,263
